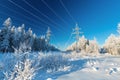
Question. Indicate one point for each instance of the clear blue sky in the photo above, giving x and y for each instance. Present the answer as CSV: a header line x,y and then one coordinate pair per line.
x,y
97,18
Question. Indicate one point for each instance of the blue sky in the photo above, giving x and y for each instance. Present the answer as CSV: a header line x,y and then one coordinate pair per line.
x,y
96,18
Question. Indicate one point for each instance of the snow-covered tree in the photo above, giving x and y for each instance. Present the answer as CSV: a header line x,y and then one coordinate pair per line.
x,y
7,22
112,45
85,46
4,45
81,44
23,68
22,71
5,36
92,47
11,37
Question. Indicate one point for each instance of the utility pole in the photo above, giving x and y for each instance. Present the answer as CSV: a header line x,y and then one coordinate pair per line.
x,y
77,33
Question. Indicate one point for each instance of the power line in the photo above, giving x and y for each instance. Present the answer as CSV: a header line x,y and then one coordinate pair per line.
x,y
40,12
29,13
54,12
17,13
67,11
33,15
17,19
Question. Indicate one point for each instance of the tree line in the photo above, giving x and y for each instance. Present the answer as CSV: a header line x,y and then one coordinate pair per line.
x,y
12,38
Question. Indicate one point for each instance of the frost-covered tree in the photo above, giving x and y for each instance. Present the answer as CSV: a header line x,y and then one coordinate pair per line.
x,y
21,71
29,37
5,36
112,45
23,68
4,45
7,22
92,47
12,32
19,36
85,46
81,44
11,37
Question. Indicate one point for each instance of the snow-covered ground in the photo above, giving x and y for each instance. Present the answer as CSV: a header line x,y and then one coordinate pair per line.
x,y
100,67
103,68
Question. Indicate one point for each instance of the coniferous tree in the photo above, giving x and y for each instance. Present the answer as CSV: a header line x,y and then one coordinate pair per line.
x,y
12,37
5,36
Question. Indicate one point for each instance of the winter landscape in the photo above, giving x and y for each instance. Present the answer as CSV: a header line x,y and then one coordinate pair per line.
x,y
37,50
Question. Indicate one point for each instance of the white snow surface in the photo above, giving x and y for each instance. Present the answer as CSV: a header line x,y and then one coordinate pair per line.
x,y
96,68
99,67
